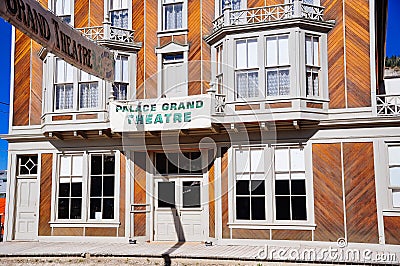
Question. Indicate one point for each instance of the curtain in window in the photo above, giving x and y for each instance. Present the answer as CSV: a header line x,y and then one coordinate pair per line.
x,y
64,97
241,80
173,16
120,91
88,95
253,85
272,83
284,82
235,4
119,18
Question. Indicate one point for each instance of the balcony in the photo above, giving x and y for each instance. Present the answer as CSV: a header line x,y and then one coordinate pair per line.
x,y
388,105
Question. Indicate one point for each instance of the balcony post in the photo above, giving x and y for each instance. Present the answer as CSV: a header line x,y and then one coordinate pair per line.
x,y
111,97
211,91
297,13
106,22
227,13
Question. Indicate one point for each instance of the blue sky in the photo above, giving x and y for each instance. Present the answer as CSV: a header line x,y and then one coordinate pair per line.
x,y
393,48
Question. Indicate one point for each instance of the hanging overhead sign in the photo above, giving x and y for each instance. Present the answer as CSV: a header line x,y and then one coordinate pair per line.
x,y
58,37
161,114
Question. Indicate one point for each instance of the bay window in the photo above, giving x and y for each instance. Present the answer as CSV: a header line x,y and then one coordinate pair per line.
x,y
119,14
277,66
172,14
121,83
312,65
219,64
88,91
246,69
64,91
394,175
64,9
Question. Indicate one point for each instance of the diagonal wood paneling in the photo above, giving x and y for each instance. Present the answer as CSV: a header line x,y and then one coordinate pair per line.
x,y
122,199
392,230
45,194
138,24
211,201
140,192
358,54
334,10
194,38
250,234
361,214
292,235
150,45
81,14
207,18
224,193
36,86
96,12
68,231
328,192
22,69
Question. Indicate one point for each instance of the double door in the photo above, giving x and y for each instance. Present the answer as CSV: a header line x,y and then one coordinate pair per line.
x,y
178,209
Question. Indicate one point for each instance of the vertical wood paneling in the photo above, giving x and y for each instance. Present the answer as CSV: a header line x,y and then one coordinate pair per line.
x,y
211,201
358,53
140,192
392,230
96,12
194,38
45,194
81,14
337,91
138,25
22,69
122,199
36,86
150,45
361,214
328,192
224,193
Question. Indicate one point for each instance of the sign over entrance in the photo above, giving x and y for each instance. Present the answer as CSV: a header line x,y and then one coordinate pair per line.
x,y
161,114
58,37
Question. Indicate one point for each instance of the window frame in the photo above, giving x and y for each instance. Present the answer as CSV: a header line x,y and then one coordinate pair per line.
x,y
64,84
91,81
124,81
53,5
313,68
390,188
161,16
127,8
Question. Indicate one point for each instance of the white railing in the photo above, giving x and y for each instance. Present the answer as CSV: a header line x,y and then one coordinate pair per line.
x,y
220,103
297,9
107,32
388,105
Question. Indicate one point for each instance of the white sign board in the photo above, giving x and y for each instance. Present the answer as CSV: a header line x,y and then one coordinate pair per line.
x,y
161,114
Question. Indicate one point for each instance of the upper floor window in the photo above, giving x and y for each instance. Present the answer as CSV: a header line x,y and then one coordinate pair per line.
x,y
246,69
173,14
220,78
278,66
119,13
174,75
312,65
235,5
121,83
88,91
63,9
64,91
179,163
394,175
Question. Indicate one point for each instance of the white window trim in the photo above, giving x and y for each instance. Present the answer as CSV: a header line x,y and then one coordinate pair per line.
x,y
218,7
388,187
160,29
52,6
108,9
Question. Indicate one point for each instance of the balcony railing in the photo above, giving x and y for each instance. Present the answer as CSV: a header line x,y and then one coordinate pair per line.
x,y
388,105
297,9
108,32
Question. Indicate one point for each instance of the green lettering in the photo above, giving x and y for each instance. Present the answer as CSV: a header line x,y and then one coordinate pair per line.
x,y
187,117
118,108
173,106
165,106
199,104
190,105
167,117
149,119
153,107
181,106
139,119
177,118
158,119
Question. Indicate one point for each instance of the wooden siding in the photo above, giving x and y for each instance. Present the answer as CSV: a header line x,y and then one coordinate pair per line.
x,y
207,26
81,14
22,69
150,45
392,230
194,38
140,192
96,12
68,231
250,234
224,194
98,231
45,194
211,201
328,192
139,25
36,85
122,199
361,213
292,235
358,53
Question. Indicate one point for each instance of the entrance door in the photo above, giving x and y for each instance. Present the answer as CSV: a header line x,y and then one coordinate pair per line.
x,y
178,210
26,218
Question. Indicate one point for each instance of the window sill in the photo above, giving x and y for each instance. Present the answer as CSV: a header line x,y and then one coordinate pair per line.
x,y
283,226
391,212
84,224
164,33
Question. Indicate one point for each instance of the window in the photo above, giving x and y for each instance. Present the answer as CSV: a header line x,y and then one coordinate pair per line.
x,y
219,61
64,93
172,14
179,163
119,14
121,83
83,195
174,76
27,165
246,69
63,9
312,65
277,71
88,91
290,184
235,5
394,175
250,184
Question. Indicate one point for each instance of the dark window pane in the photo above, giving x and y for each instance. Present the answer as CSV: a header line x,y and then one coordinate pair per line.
x,y
161,163
196,166
243,208
108,186
34,170
191,194
172,163
298,187
76,189
184,163
76,208
63,208
96,165
258,208
34,159
166,194
109,165
282,187
95,186
108,208
257,187
299,208
95,206
63,190
242,187
283,208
